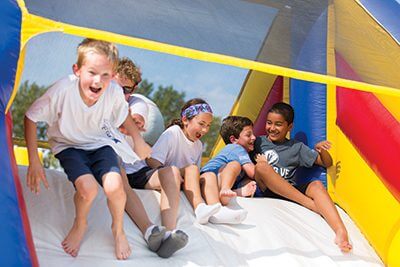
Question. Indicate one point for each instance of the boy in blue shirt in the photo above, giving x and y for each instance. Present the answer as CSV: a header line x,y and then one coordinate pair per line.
x,y
285,156
232,164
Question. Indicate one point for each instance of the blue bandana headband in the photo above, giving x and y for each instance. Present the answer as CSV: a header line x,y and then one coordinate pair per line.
x,y
192,111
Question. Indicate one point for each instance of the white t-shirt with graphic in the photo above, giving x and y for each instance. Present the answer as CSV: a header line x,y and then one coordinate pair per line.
x,y
173,148
71,123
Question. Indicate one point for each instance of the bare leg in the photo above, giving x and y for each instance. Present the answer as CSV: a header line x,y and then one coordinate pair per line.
x,y
86,187
167,179
209,187
266,177
134,207
327,209
227,178
116,200
192,191
191,186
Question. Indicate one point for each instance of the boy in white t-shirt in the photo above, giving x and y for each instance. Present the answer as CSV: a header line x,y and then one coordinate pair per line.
x,y
81,112
144,112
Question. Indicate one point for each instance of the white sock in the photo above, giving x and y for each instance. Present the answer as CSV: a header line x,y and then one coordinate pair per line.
x,y
167,234
229,216
148,232
203,212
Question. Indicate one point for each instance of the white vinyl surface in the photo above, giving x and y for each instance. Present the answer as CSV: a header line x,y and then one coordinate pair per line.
x,y
275,233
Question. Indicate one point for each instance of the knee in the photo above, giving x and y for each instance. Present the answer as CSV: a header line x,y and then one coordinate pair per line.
x,y
315,187
170,176
87,190
192,169
234,166
113,187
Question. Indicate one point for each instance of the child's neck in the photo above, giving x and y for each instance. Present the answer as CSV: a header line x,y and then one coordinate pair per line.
x,y
85,100
187,135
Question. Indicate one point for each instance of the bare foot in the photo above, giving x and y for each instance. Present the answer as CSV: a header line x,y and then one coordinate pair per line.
x,y
225,196
122,248
342,241
247,190
72,242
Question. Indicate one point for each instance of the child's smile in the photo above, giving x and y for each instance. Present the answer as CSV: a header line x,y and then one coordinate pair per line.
x,y
277,127
95,90
198,126
94,75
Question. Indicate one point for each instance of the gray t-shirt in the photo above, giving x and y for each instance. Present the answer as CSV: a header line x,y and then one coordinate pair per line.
x,y
285,157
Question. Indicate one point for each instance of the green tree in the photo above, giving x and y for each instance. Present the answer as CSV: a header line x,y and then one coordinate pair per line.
x,y
27,93
145,88
169,101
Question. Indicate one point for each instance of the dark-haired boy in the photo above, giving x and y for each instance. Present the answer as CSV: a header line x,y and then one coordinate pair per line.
x,y
285,156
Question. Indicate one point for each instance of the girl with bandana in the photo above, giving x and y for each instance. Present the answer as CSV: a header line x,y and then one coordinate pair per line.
x,y
175,160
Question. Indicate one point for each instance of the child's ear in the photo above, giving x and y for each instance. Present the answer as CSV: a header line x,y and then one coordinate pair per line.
x,y
75,69
184,120
290,127
232,139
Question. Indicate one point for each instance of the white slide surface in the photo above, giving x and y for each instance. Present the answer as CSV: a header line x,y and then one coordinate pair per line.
x,y
275,233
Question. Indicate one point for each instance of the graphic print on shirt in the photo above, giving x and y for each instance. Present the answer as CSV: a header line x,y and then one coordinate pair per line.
x,y
106,127
273,159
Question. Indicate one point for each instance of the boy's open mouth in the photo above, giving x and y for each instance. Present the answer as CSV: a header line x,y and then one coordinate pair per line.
x,y
95,90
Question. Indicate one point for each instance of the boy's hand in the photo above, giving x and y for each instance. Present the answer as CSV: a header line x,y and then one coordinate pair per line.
x,y
34,176
323,145
261,158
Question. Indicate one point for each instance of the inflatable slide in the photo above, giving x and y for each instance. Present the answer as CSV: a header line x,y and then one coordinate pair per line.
x,y
335,61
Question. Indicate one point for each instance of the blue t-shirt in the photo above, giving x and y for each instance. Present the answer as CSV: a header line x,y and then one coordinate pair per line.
x,y
231,152
285,157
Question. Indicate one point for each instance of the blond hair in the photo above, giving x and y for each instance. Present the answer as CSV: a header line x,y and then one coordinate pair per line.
x,y
127,68
100,47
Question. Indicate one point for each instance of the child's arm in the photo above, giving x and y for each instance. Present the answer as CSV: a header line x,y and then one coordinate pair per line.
x,y
324,158
153,163
35,170
141,148
250,168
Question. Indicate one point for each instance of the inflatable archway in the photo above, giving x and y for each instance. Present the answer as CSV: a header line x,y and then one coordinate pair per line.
x,y
335,61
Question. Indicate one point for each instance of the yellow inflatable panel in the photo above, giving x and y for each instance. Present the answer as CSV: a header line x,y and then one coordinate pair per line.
x,y
366,199
21,155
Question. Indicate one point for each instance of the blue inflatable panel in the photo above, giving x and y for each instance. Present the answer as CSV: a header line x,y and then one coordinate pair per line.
x,y
387,13
309,99
13,245
10,29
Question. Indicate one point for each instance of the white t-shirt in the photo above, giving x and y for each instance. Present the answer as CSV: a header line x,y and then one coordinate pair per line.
x,y
71,123
173,148
153,119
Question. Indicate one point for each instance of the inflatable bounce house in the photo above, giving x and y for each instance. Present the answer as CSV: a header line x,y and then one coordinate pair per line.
x,y
336,61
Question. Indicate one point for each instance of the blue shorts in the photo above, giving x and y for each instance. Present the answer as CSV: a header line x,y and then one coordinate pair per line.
x,y
78,162
241,180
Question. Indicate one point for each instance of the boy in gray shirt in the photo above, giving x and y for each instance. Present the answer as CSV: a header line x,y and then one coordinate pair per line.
x,y
284,156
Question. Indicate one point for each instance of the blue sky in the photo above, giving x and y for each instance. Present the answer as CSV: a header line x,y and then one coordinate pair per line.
x,y
50,56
